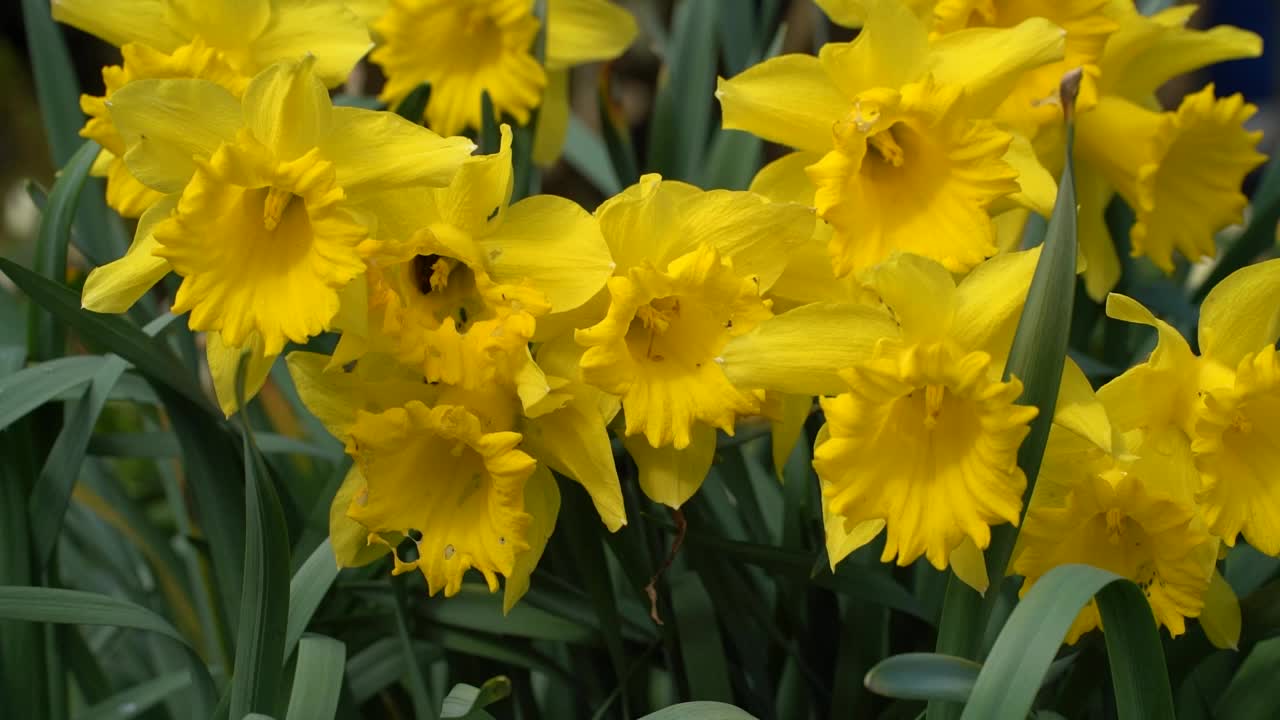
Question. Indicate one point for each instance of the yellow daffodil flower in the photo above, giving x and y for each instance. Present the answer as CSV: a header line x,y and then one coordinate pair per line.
x,y
460,296
691,267
487,45
916,408
1180,199
218,40
909,157
493,503
1032,104
263,215
1123,512
1226,400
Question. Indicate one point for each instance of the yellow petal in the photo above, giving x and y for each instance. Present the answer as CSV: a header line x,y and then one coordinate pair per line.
x,y
224,23
125,194
553,119
573,440
1241,315
476,200
287,108
788,99
1102,264
782,354
840,542
1079,410
166,123
671,476
542,502
989,62
1145,53
329,30
919,292
989,302
116,286
1220,617
786,431
375,383
1160,390
849,13
583,31
968,564
640,224
554,244
754,234
891,50
349,538
376,150
143,21
224,363
1038,190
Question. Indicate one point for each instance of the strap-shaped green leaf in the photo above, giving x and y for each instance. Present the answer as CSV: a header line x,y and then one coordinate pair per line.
x,y
31,387
139,698
1013,672
700,710
47,337
924,676
112,332
74,607
264,598
318,680
307,589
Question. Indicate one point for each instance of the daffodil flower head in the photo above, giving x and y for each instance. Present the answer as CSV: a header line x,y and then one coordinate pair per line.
x,y
1116,511
1225,401
480,46
472,517
1180,200
265,199
221,41
470,513
916,406
460,296
910,157
905,165
691,268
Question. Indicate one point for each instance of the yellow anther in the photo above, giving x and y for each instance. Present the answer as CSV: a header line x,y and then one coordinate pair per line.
x,y
1115,525
274,206
884,142
440,270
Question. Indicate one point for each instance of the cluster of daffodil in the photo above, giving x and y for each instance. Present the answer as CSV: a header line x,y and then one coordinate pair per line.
x,y
485,344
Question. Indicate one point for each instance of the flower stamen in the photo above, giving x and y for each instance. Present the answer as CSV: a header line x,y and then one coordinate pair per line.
x,y
274,206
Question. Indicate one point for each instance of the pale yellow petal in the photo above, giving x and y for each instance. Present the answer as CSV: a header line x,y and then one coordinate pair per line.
x,y
555,245
165,123
224,363
583,31
989,62
287,108
803,351
1241,315
989,303
841,542
376,150
542,502
553,119
574,441
639,223
119,23
349,538
1079,410
756,235
328,30
1102,264
891,50
969,565
671,476
116,286
786,431
919,292
1220,617
788,99
1038,190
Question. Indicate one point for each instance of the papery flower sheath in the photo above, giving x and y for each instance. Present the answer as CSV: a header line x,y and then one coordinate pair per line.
x,y
218,40
259,216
